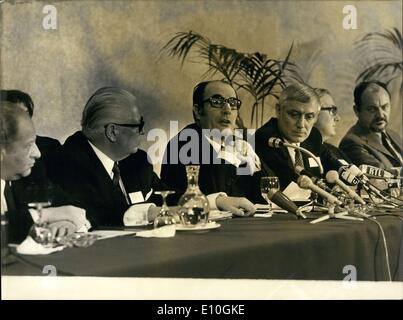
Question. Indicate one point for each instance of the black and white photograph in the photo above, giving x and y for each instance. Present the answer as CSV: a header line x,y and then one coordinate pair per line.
x,y
201,150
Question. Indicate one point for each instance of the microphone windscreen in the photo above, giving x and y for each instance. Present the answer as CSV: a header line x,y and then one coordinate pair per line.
x,y
280,199
332,176
304,182
274,142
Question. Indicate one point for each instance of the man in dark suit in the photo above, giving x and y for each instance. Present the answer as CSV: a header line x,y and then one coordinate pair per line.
x,y
19,154
328,119
209,143
369,141
297,111
101,165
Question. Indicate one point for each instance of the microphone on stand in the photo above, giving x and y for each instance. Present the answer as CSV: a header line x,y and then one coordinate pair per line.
x,y
278,143
305,182
318,181
353,175
333,177
280,199
377,173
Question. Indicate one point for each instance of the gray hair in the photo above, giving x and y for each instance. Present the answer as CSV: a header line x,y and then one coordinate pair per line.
x,y
106,105
298,92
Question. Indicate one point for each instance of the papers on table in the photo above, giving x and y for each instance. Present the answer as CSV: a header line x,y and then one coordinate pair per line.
x,y
106,234
295,193
216,215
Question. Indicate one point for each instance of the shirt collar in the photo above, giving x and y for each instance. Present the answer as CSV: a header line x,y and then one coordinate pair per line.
x,y
216,146
105,160
3,198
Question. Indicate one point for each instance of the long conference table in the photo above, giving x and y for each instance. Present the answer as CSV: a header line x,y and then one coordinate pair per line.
x,y
281,247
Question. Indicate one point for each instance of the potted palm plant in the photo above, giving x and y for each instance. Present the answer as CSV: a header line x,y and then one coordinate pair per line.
x,y
255,73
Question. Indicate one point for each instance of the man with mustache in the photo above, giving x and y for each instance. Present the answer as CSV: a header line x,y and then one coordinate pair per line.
x,y
368,141
296,113
211,145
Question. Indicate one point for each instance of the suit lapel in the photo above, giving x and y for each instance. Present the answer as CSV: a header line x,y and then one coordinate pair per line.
x,y
375,142
100,176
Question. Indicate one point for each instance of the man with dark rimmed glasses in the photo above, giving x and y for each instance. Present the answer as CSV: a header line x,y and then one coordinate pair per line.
x,y
210,143
102,165
328,119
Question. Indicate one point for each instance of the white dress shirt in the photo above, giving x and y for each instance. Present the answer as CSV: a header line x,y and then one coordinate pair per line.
x,y
3,198
137,213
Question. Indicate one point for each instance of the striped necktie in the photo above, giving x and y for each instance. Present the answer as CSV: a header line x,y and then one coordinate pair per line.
x,y
388,144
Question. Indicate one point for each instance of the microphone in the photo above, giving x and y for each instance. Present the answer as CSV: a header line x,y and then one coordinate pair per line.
x,y
333,177
353,175
278,143
302,172
305,182
280,199
374,172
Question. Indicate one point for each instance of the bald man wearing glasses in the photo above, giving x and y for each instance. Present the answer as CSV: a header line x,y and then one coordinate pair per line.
x,y
102,166
210,142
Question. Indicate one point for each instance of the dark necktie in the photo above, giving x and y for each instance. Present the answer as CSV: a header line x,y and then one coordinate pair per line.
x,y
298,159
9,196
388,145
117,181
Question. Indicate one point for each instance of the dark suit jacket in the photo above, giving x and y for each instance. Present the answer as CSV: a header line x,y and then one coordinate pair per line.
x,y
34,188
47,146
335,152
77,169
365,147
279,160
215,175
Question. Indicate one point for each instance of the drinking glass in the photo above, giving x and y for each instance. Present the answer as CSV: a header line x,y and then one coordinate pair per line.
x,y
165,216
268,187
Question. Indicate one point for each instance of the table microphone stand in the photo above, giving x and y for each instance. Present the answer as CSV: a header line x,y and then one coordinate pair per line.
x,y
332,215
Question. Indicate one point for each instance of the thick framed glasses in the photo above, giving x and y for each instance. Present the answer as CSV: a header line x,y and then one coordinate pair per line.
x,y
333,110
218,101
131,125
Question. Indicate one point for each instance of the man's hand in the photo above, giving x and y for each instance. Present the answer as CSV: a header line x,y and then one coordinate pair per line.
x,y
60,229
236,205
72,214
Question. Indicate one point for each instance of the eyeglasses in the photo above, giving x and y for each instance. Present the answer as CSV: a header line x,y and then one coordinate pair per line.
x,y
218,101
333,110
131,125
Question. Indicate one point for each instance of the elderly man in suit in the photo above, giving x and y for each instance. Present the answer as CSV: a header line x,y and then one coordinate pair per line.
x,y
327,124
19,154
102,166
369,141
208,142
297,111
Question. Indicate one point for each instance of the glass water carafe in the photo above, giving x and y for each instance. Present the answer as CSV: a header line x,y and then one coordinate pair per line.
x,y
193,204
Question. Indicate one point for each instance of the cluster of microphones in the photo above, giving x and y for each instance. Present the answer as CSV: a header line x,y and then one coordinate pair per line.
x,y
345,180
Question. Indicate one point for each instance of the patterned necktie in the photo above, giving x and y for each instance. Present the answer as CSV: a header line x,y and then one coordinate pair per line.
x,y
388,144
298,159
117,181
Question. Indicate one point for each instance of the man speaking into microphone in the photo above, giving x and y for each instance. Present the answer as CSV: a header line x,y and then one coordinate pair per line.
x,y
296,112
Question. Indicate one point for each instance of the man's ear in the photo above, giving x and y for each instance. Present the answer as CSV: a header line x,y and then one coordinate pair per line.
x,y
277,110
196,112
111,132
355,110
